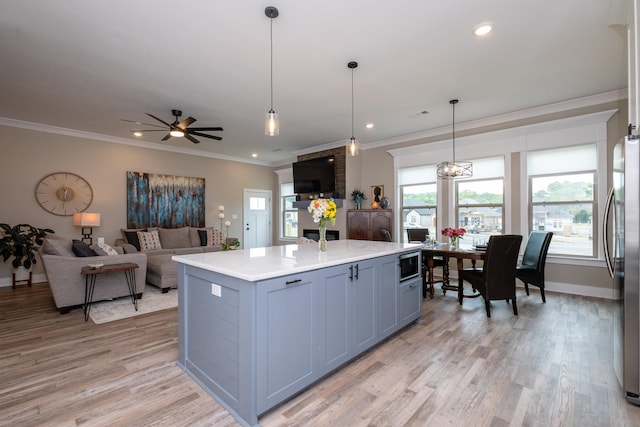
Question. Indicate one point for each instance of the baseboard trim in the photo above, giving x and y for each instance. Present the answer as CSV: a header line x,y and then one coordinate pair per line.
x,y
570,288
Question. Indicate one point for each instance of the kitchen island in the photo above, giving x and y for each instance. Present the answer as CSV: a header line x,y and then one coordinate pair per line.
x,y
257,326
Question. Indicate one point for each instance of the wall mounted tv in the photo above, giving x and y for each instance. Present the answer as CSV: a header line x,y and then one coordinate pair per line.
x,y
315,176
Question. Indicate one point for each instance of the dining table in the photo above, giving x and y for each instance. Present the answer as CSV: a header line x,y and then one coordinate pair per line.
x,y
446,251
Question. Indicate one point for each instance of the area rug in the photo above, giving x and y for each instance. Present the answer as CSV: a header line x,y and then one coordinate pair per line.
x,y
152,300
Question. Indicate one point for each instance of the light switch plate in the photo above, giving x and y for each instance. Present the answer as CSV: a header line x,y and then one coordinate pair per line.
x,y
101,240
216,290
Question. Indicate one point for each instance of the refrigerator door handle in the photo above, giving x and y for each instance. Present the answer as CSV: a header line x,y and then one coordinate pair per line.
x,y
605,232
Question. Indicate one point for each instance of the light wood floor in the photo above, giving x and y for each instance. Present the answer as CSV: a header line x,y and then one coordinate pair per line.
x,y
550,366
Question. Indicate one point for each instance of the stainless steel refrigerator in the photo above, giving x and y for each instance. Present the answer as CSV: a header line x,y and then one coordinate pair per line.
x,y
622,220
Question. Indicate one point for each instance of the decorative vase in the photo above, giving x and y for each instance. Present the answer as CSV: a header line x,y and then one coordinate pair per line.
x,y
358,202
453,242
322,242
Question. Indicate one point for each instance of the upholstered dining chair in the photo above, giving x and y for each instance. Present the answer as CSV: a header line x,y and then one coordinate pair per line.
x,y
497,279
420,235
531,271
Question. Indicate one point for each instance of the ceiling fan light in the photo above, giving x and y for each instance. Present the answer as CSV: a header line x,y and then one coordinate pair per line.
x,y
177,133
271,124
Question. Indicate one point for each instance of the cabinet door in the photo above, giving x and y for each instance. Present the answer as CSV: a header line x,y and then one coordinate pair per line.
x,y
334,336
358,225
388,296
380,221
286,341
363,306
410,301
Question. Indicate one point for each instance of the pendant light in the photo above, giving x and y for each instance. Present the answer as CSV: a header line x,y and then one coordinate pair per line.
x,y
451,170
352,145
272,123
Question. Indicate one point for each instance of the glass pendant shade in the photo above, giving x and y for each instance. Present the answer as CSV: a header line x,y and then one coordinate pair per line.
x,y
453,169
271,124
352,146
176,133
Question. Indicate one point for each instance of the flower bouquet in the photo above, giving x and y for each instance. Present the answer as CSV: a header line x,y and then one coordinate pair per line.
x,y
454,234
323,210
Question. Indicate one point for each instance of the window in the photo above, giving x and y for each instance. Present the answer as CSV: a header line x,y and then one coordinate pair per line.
x,y
480,201
289,219
562,198
419,198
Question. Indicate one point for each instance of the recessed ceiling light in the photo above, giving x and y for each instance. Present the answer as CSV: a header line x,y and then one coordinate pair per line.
x,y
254,155
369,125
483,29
137,134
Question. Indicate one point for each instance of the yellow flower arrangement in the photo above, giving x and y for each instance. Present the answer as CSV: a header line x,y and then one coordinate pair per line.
x,y
323,210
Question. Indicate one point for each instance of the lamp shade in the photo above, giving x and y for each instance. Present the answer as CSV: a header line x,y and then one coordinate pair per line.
x,y
86,219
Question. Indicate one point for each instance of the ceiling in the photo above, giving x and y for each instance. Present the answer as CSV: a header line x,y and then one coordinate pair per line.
x,y
86,65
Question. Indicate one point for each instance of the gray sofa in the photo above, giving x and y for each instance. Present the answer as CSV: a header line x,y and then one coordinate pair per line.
x,y
62,267
161,269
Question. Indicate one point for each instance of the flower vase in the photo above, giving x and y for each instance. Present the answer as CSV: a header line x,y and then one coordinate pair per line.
x,y
358,202
453,242
322,242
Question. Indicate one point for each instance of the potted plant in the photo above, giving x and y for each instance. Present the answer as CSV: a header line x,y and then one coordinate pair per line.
x,y
21,242
230,245
357,197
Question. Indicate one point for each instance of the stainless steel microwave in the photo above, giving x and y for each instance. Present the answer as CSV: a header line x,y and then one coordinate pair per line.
x,y
409,266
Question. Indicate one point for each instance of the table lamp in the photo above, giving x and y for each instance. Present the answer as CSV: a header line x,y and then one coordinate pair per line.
x,y
86,220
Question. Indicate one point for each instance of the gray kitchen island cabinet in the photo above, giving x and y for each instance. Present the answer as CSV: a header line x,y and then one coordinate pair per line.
x,y
257,327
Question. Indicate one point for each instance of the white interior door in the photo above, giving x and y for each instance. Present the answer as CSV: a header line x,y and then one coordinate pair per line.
x,y
257,218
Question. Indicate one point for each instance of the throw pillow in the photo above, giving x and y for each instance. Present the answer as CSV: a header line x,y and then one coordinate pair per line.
x,y
149,240
103,249
214,237
203,237
131,237
56,245
81,249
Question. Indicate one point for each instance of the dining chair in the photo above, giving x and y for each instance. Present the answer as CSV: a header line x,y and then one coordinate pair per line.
x,y
497,279
386,235
531,271
420,235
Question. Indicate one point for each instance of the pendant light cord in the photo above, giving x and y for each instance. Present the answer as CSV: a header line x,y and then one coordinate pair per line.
x,y
352,136
271,47
453,103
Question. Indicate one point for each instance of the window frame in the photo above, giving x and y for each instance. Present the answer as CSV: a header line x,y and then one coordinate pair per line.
x,y
594,208
458,206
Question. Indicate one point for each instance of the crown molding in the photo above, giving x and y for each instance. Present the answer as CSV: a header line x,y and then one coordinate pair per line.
x,y
39,127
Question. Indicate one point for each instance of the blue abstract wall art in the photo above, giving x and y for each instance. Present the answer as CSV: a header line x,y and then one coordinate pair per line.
x,y
166,201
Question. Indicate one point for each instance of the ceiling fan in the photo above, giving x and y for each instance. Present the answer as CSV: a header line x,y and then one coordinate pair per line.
x,y
179,128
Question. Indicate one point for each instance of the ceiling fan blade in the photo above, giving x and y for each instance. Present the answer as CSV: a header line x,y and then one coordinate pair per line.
x,y
149,130
204,135
207,129
140,123
166,137
192,139
160,120
186,122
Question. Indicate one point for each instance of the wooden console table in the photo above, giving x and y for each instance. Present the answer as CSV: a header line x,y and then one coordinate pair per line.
x,y
91,273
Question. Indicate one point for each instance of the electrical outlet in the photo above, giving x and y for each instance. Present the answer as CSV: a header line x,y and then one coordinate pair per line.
x,y
101,240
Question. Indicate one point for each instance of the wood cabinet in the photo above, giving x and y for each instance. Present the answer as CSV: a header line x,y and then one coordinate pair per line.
x,y
367,224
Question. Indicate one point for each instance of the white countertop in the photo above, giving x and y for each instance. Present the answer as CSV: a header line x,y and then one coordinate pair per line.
x,y
275,261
